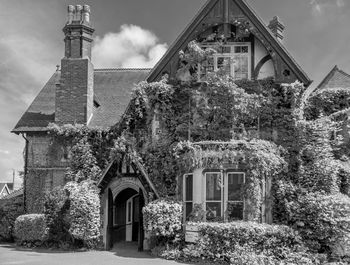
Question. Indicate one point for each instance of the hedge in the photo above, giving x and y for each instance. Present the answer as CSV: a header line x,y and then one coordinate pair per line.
x,y
31,228
9,211
323,220
224,241
163,218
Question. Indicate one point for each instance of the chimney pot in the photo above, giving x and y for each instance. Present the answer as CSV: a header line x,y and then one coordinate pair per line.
x,y
277,28
86,14
71,10
78,9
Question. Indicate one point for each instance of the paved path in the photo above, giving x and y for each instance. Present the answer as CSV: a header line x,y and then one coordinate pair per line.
x,y
121,254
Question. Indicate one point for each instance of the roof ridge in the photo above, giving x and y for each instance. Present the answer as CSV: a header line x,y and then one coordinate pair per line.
x,y
122,69
344,73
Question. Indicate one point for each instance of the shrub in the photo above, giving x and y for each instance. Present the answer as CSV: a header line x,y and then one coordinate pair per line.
x,y
56,207
84,212
219,241
31,228
163,218
9,211
323,220
73,214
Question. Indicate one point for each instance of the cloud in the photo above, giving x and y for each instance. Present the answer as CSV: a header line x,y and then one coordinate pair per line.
x,y
321,7
132,46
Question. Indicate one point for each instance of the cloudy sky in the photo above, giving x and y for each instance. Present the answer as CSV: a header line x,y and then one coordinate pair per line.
x,y
135,33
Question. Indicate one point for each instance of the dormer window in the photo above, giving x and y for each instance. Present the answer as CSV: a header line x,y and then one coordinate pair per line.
x,y
232,59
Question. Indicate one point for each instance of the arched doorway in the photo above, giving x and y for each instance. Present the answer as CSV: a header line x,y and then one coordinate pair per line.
x,y
125,217
125,190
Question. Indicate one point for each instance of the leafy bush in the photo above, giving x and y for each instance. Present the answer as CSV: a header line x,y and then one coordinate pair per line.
x,y
73,214
84,212
9,211
163,218
218,239
322,219
31,228
56,207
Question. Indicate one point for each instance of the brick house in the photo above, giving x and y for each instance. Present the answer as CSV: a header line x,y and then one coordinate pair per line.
x,y
80,94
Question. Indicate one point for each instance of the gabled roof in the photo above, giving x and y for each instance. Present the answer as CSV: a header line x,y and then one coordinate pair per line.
x,y
336,78
3,186
13,194
184,38
112,92
110,172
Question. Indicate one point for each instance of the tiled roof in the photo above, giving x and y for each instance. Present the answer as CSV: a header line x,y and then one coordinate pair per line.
x,y
335,79
112,91
13,194
2,186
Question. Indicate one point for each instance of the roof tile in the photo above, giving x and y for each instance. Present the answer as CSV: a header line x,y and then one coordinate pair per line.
x,y
112,88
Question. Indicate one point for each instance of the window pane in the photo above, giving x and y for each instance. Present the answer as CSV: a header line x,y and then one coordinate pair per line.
x,y
241,67
188,187
188,209
238,49
206,67
235,211
213,187
224,65
244,49
235,182
226,49
213,210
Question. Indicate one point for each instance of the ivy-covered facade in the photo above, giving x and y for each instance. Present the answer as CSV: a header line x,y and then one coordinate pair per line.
x,y
212,124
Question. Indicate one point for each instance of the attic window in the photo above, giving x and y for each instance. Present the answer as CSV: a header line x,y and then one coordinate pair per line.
x,y
232,59
96,104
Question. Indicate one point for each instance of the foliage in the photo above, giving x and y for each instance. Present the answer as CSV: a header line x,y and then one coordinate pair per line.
x,y
9,211
249,243
260,159
84,212
83,164
73,214
322,219
56,208
163,218
31,228
218,239
327,102
97,142
319,170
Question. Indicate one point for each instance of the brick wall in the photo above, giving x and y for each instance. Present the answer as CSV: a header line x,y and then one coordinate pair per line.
x,y
74,95
46,169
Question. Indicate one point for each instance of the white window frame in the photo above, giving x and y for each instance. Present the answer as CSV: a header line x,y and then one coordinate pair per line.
x,y
230,55
226,201
224,190
184,193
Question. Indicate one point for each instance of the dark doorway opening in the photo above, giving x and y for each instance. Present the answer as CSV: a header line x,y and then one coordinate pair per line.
x,y
126,218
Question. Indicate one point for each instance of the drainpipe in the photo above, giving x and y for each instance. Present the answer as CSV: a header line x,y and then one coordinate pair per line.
x,y
25,172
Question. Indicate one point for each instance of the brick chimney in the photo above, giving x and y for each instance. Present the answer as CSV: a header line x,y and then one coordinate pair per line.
x,y
75,92
277,28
